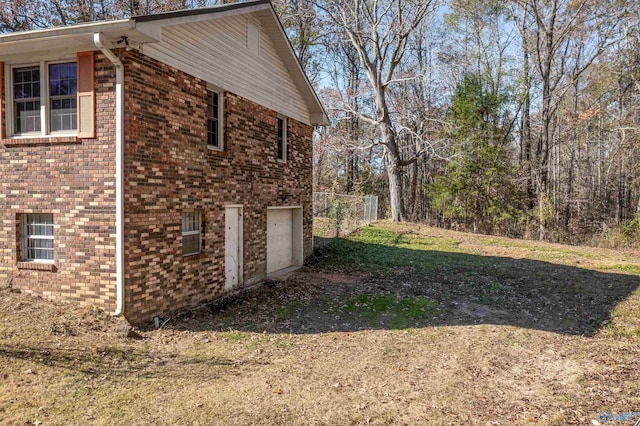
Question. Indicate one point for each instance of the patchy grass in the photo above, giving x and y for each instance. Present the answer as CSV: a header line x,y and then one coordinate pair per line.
x,y
389,309
369,250
630,268
397,324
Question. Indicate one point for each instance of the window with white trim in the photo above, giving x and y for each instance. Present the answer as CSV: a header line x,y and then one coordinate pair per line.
x,y
214,120
26,99
43,99
63,91
37,237
191,233
282,138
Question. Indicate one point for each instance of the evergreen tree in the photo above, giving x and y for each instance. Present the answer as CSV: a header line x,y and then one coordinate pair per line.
x,y
477,190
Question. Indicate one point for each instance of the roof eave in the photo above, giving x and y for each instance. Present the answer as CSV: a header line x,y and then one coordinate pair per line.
x,y
71,30
202,11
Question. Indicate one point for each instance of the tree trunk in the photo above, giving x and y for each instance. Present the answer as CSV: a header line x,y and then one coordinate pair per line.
x,y
395,187
567,207
392,166
413,193
526,131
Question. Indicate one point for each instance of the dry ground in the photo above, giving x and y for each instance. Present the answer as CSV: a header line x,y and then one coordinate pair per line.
x,y
395,325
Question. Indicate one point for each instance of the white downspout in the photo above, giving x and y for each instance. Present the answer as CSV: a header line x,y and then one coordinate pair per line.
x,y
97,40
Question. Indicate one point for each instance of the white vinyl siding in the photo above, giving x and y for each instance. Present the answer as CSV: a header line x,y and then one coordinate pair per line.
x,y
224,59
253,38
37,237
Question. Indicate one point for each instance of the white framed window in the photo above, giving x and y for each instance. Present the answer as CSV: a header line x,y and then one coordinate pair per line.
x,y
42,98
282,138
215,123
191,233
37,237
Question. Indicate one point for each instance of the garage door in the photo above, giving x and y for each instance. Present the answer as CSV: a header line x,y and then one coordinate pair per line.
x,y
279,239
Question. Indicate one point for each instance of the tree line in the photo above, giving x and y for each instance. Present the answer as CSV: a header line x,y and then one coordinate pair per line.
x,y
515,117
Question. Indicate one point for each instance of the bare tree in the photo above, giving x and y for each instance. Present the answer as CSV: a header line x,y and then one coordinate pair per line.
x,y
551,28
21,15
380,31
299,17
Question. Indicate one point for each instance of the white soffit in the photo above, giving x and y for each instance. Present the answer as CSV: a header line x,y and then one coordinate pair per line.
x,y
72,38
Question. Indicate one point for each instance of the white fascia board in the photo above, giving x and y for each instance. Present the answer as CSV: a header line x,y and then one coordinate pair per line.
x,y
160,22
73,37
61,32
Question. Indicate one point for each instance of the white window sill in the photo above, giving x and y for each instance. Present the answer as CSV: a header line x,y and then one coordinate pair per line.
x,y
43,135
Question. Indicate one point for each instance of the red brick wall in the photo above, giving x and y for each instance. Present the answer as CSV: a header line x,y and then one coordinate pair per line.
x,y
74,180
169,170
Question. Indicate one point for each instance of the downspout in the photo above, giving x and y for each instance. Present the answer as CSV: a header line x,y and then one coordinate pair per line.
x,y
97,40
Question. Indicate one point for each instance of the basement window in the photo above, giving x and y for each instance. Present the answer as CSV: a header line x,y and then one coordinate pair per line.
x,y
43,99
191,233
37,238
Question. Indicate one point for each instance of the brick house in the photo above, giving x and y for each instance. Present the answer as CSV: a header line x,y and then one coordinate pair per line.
x,y
153,163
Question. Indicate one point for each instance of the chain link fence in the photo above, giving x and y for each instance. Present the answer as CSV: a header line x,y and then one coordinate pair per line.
x,y
336,215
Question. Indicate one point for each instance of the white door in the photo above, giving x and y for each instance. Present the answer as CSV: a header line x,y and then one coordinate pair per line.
x,y
233,247
279,239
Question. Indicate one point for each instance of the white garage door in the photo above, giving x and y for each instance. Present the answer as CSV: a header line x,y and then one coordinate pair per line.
x,y
279,239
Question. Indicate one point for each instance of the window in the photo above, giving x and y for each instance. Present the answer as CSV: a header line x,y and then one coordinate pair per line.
x,y
214,120
37,237
26,95
282,138
44,98
63,88
191,225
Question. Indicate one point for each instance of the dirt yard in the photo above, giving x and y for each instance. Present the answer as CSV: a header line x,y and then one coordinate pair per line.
x,y
397,324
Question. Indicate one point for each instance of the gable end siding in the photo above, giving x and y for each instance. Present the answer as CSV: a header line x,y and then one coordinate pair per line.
x,y
217,51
